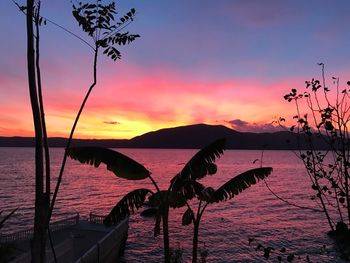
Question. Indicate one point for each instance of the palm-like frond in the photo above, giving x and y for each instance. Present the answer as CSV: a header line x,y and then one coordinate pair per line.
x,y
120,164
159,198
186,190
165,198
239,183
149,212
200,165
187,217
127,206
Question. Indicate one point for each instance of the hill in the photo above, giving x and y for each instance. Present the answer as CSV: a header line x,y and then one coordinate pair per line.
x,y
183,137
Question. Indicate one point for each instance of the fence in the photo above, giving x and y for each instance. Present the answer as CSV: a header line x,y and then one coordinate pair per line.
x,y
28,234
96,219
110,247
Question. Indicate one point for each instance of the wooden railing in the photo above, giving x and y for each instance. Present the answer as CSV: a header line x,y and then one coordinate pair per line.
x,y
110,247
96,219
28,234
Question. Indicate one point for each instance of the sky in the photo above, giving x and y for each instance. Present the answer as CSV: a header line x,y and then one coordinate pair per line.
x,y
226,62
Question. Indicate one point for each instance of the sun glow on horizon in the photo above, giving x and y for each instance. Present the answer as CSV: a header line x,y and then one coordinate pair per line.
x,y
179,72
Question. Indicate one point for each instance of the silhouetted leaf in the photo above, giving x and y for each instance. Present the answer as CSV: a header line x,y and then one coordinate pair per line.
x,y
201,164
120,164
177,200
290,258
186,190
328,126
187,217
127,206
95,19
206,194
166,198
158,198
149,212
239,183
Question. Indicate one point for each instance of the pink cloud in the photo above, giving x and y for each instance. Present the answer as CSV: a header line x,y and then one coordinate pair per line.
x,y
164,98
270,13
244,126
111,122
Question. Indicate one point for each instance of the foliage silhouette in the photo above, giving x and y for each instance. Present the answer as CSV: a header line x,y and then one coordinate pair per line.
x,y
96,20
120,164
227,191
127,205
200,165
325,114
183,187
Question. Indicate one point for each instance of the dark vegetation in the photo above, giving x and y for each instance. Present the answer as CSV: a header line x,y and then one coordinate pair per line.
x,y
324,127
97,20
324,114
184,189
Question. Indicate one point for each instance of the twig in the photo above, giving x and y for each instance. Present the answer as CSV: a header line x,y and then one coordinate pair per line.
x,y
289,203
57,25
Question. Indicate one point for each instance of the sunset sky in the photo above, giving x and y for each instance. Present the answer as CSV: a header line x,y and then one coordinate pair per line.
x,y
198,61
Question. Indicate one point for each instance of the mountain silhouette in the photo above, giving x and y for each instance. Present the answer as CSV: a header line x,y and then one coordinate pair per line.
x,y
184,137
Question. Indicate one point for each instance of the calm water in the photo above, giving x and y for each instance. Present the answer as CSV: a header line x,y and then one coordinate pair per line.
x,y
225,227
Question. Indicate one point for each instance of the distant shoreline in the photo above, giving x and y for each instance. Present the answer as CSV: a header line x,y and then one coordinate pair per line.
x,y
184,137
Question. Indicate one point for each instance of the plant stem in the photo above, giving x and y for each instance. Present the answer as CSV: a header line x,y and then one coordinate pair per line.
x,y
71,135
165,215
42,112
195,240
154,183
196,222
39,238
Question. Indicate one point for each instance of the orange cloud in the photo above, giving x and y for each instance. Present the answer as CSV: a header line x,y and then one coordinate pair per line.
x,y
142,102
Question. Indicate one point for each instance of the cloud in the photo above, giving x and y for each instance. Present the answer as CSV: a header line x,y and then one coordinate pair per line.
x,y
272,12
244,126
111,122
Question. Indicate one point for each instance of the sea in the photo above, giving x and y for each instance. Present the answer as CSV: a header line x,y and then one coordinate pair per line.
x,y
237,230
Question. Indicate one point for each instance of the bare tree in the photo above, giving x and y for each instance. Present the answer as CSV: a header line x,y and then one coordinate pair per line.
x,y
323,115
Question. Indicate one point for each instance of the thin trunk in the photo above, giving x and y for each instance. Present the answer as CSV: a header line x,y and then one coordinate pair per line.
x,y
347,189
154,183
40,96
71,135
46,196
195,241
324,205
320,191
39,238
196,222
165,215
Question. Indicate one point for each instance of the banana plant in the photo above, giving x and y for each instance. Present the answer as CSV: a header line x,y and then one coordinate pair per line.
x,y
209,196
185,183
